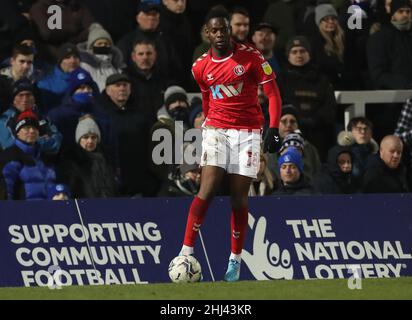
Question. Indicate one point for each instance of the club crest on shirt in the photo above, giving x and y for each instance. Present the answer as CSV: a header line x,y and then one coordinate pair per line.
x,y
266,68
239,70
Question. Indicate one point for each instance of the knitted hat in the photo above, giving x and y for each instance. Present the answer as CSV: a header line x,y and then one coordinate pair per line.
x,y
87,126
184,168
22,85
96,32
77,78
26,118
297,41
67,50
56,189
291,156
290,109
324,10
398,4
174,93
292,140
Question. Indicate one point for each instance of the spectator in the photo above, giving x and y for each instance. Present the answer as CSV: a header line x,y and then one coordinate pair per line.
x,y
240,24
184,181
404,129
264,38
26,174
281,15
291,174
53,86
302,85
147,29
99,56
75,21
390,50
81,100
84,167
289,132
385,172
196,116
148,80
359,139
132,133
176,24
263,184
23,99
329,47
336,177
173,115
21,64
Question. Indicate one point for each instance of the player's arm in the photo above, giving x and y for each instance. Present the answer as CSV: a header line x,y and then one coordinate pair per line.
x,y
271,90
204,90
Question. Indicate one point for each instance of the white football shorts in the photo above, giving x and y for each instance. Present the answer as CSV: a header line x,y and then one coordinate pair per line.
x,y
236,151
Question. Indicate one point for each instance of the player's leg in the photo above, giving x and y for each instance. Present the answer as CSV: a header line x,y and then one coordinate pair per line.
x,y
210,180
239,189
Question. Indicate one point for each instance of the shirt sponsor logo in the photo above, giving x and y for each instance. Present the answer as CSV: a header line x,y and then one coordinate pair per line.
x,y
220,91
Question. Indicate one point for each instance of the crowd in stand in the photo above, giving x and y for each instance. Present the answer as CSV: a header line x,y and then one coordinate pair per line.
x,y
80,104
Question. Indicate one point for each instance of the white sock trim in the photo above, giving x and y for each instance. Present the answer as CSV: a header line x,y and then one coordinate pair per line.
x,y
186,250
237,257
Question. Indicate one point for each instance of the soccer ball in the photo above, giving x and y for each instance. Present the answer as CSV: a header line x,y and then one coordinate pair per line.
x,y
183,269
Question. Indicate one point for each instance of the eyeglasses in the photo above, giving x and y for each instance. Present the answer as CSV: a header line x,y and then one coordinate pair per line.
x,y
361,129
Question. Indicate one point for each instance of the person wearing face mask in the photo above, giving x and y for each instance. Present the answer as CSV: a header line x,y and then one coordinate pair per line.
x,y
99,56
174,115
80,100
389,51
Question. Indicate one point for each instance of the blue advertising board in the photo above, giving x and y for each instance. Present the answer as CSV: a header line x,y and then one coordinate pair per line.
x,y
128,241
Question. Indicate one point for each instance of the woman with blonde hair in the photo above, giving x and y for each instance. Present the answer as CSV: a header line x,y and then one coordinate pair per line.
x,y
328,46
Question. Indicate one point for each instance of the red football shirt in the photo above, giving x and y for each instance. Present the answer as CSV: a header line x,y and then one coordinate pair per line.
x,y
232,83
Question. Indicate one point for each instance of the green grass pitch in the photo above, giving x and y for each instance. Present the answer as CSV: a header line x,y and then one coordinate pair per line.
x,y
400,288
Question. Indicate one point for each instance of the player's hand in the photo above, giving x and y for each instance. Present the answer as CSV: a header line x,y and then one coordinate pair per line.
x,y
272,141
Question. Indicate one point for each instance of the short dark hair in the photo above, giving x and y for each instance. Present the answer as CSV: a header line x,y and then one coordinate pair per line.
x,y
217,13
143,41
22,49
239,10
354,121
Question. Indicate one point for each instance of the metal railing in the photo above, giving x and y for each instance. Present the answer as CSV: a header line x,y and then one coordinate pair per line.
x,y
357,100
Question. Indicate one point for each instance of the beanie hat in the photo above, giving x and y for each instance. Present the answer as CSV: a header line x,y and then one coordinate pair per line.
x,y
297,41
77,78
290,109
56,189
174,93
324,10
184,168
22,85
87,126
26,118
291,156
96,32
292,140
67,50
398,4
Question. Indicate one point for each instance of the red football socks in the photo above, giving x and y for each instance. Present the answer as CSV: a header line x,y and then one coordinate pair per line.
x,y
195,219
239,220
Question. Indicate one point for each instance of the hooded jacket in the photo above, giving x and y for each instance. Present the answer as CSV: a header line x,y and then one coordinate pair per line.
x,y
26,174
332,180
